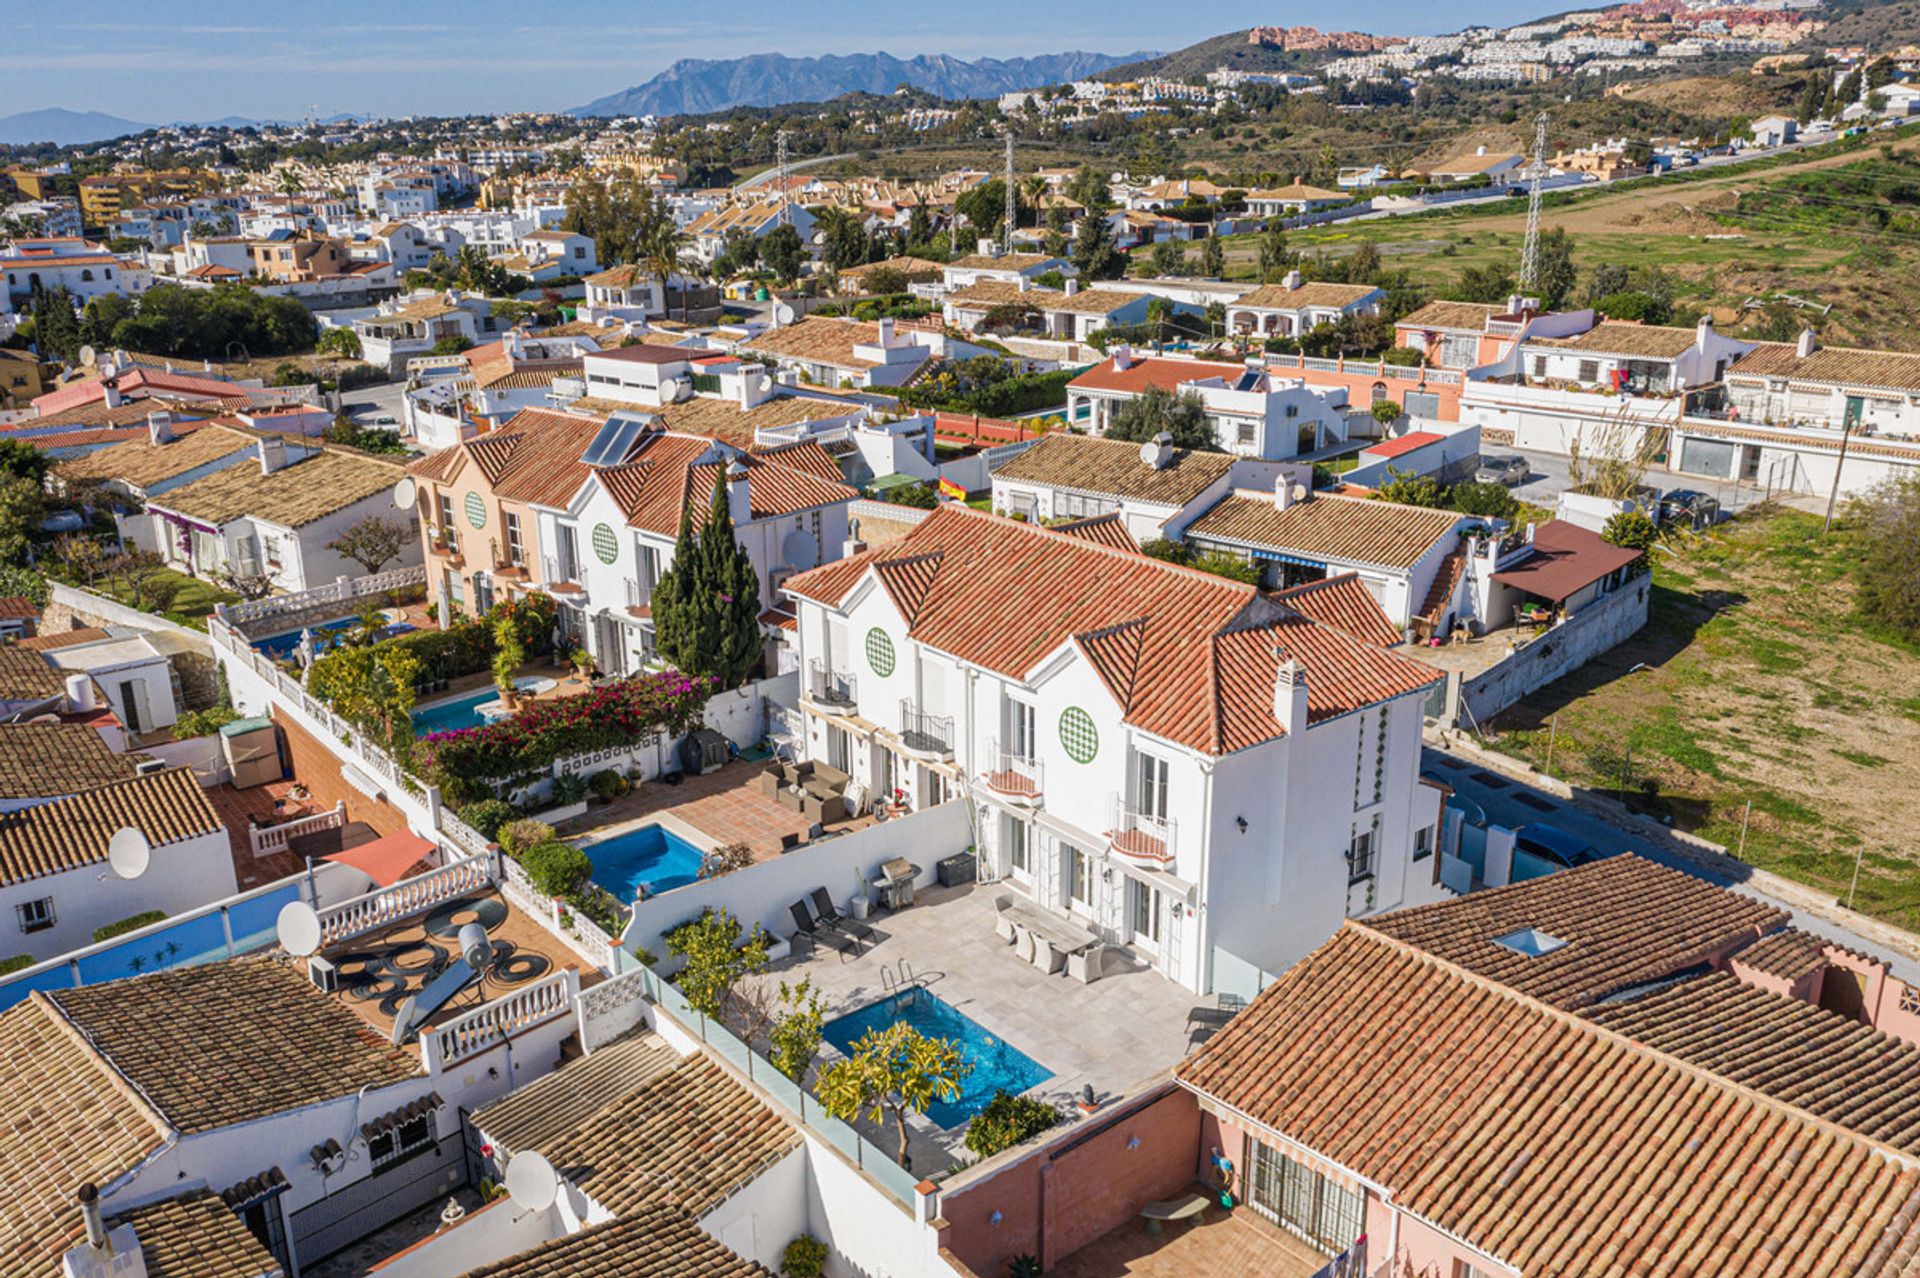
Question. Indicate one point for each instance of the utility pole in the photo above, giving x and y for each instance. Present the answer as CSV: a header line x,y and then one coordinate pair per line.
x,y
1833,494
780,168
1013,207
1530,250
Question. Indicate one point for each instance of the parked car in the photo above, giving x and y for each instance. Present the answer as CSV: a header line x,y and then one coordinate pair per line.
x,y
1554,845
1689,506
1509,470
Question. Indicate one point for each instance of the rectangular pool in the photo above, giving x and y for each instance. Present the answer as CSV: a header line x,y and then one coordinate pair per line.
x,y
450,716
651,858
996,1063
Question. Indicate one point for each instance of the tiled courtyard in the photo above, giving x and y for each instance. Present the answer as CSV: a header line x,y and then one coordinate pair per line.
x,y
1113,1034
726,805
1221,1244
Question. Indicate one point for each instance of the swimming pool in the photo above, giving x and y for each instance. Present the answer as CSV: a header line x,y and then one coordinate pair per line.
x,y
651,857
449,716
281,646
996,1063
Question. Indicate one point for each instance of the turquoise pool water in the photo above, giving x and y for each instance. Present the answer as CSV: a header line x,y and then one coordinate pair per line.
x,y
450,716
996,1063
650,857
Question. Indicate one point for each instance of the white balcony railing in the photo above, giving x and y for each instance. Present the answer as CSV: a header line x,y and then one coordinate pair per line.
x,y
389,905
499,1020
1012,775
1141,837
274,838
834,690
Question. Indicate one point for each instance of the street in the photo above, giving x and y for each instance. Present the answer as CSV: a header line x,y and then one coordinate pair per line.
x,y
1510,802
1547,478
366,403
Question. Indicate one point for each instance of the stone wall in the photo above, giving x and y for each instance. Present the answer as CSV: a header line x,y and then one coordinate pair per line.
x,y
190,652
1559,651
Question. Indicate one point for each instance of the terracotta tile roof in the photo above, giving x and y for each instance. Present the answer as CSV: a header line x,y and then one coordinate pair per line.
x,y
49,838
667,471
1561,1148
424,308
1625,920
142,463
25,675
293,496
688,1138
725,420
657,1241
644,353
820,340
1112,468
1802,1055
67,1120
1278,297
1618,337
197,1236
1789,955
18,608
617,277
908,266
44,760
1566,559
993,292
526,375
1105,530
544,468
1296,191
1401,445
1142,372
230,1042
53,639
1005,262
1188,656
1470,316
126,413
1445,581
1343,603
1832,365
532,1116
1349,529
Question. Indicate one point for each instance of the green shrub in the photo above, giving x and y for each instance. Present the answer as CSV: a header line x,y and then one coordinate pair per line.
x,y
569,788
556,868
203,723
804,1257
1493,501
516,837
607,785
488,816
1006,1120
132,923
1631,530
16,962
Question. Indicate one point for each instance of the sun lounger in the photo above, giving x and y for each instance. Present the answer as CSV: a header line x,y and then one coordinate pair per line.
x,y
830,917
810,928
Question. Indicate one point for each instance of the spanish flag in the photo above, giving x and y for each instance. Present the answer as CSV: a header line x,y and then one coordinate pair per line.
x,y
950,489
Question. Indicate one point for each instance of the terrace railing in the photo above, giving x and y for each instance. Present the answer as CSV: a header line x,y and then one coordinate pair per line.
x,y
385,906
925,733
1012,774
274,838
831,689
342,592
569,926
515,1013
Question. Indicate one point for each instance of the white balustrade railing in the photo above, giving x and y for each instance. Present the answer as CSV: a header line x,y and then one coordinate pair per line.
x,y
572,928
338,592
274,838
482,1028
388,905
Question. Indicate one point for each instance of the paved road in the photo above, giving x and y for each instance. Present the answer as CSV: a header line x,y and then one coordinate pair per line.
x,y
382,399
1547,478
1512,803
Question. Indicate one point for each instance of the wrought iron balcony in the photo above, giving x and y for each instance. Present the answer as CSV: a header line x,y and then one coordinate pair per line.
x,y
923,733
834,690
1017,777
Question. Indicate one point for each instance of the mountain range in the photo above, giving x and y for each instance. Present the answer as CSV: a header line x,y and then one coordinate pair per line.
x,y
694,86
63,127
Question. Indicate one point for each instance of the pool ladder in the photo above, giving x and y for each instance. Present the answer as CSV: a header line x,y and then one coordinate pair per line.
x,y
894,981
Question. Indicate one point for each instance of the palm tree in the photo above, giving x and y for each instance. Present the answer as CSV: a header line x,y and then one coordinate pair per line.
x,y
662,248
289,182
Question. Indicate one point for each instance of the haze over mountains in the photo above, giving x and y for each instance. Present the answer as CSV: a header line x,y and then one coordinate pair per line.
x,y
63,127
694,86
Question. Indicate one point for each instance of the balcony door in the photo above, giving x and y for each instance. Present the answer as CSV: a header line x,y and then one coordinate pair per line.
x,y
1150,786
1300,1199
1022,743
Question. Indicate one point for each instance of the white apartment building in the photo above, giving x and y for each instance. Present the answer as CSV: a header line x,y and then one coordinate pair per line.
x,y
1175,761
1295,306
84,269
1254,413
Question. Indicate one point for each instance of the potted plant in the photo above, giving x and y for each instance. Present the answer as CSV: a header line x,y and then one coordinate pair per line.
x,y
582,662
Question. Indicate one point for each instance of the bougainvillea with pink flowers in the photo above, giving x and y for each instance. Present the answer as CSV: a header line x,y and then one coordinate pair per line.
x,y
612,715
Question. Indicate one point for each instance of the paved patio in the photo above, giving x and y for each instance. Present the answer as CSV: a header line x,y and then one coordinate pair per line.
x,y
726,805
1113,1034
1223,1244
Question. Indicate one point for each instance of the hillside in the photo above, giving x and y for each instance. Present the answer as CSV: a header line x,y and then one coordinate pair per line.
x,y
694,86
63,127
1230,51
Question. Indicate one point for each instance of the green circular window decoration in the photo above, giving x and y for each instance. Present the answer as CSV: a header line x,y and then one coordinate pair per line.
x,y
476,511
1078,737
605,544
880,652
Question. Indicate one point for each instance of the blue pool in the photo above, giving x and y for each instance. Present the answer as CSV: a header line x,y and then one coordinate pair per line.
x,y
651,857
996,1063
281,646
448,716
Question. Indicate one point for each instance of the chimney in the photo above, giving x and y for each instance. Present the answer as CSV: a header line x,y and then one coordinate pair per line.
x,y
1157,453
272,452
159,428
739,498
1290,694
986,247
1702,331
1481,151
1292,281
1073,286
884,332
1805,344
1122,358
110,392
1299,180
90,1213
102,1254
1282,493
1021,283
853,545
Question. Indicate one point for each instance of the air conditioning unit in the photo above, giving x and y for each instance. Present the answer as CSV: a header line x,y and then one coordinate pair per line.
x,y
323,974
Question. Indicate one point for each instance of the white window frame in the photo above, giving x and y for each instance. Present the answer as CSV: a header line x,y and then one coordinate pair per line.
x,y
37,915
1078,867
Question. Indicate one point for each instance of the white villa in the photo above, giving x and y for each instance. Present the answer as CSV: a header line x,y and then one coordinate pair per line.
x,y
1254,413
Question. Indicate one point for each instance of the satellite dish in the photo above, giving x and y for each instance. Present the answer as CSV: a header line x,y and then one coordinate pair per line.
x,y
799,550
89,356
782,313
675,389
405,494
475,948
531,1181
1300,492
299,928
128,853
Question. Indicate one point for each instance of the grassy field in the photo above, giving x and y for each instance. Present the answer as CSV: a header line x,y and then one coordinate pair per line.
x,y
190,607
1753,681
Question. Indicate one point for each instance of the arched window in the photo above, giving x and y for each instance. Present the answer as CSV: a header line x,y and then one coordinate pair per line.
x,y
86,276
1379,392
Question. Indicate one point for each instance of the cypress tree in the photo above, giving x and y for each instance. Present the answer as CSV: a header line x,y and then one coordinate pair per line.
x,y
706,608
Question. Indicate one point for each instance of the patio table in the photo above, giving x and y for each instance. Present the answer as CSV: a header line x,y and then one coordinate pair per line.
x,y
1064,936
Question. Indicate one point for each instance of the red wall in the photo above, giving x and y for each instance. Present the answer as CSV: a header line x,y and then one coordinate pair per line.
x,y
1085,1183
1359,388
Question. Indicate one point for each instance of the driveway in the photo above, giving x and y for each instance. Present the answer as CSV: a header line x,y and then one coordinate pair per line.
x,y
382,399
1511,803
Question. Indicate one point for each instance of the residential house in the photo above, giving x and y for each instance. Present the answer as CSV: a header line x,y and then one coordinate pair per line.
x,y
1530,1051
86,270
1496,167
842,352
134,672
989,263
914,270
403,244
711,230
1557,566
103,196
1774,130
117,379
1293,198
1294,306
1069,315
275,519
299,260
1164,755
414,325
623,293
575,252
1172,193
1255,413
144,465
55,885
21,378
1147,486
1460,335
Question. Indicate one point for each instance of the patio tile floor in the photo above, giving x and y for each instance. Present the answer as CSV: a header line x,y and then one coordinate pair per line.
x,y
1221,1244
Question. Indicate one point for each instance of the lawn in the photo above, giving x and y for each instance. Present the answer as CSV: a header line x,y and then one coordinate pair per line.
x,y
191,606
1757,685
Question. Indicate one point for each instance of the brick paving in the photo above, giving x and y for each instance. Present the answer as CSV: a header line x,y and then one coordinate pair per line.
x,y
1227,1244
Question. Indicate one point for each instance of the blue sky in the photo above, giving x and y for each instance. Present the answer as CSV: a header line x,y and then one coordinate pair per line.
x,y
162,60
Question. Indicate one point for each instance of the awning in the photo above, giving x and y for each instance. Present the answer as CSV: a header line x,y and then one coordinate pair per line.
x,y
386,860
